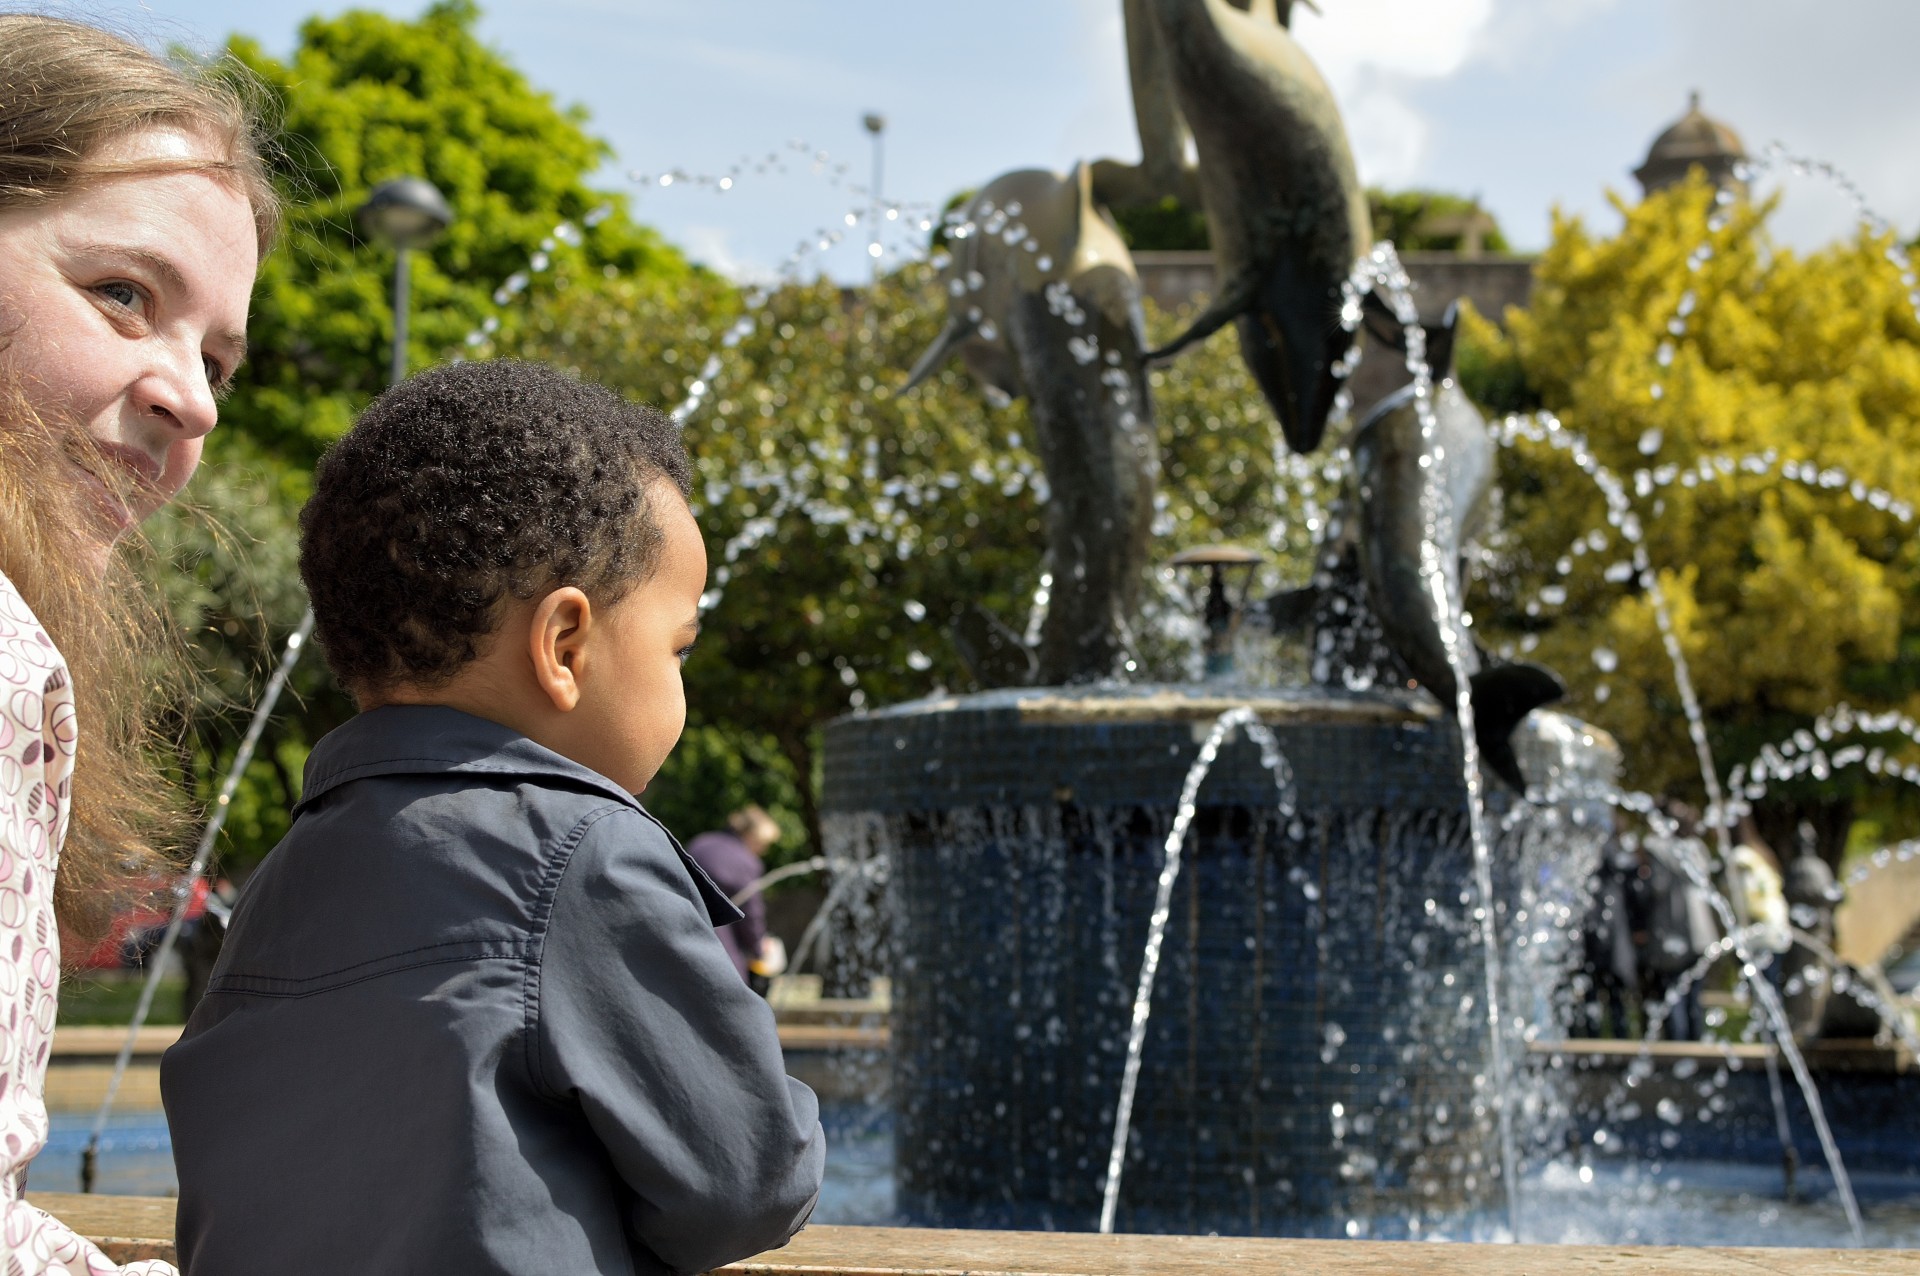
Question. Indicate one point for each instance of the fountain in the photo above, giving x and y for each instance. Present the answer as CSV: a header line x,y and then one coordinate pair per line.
x,y
1303,992
1314,1033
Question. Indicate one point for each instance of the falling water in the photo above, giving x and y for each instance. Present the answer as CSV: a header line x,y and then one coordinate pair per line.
x,y
1382,272
1270,756
1752,973
1783,1038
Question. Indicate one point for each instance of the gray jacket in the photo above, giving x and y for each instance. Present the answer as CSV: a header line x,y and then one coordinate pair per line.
x,y
472,1017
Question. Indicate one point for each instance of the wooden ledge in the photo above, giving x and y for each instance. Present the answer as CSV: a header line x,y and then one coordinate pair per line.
x,y
833,1028
828,1036
898,1251
73,1045
142,1227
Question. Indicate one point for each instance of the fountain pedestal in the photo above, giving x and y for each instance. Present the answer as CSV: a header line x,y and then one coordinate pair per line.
x,y
1317,1051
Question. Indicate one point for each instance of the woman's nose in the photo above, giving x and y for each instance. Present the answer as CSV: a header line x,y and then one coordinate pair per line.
x,y
178,394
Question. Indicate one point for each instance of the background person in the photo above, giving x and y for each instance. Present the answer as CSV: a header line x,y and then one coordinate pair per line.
x,y
735,858
134,207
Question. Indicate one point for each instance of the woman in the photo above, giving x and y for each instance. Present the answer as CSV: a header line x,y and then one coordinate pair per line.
x,y
134,206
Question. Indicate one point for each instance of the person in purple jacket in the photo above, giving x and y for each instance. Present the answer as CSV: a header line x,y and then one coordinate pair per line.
x,y
732,858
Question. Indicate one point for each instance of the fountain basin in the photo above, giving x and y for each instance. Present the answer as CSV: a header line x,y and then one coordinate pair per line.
x,y
1318,1051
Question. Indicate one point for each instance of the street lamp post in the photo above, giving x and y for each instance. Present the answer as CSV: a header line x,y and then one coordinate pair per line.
x,y
877,126
406,213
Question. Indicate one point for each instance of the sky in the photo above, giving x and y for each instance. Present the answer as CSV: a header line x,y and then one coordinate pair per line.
x,y
1527,104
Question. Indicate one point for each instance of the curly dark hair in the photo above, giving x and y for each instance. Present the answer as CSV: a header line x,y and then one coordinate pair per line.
x,y
465,487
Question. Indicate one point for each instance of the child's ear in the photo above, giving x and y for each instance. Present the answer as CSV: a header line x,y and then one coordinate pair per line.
x,y
557,642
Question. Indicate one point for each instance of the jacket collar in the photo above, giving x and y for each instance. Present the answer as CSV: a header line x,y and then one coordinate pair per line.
x,y
436,740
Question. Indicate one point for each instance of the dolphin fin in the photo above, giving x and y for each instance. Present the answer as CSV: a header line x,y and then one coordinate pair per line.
x,y
1283,10
956,331
1235,299
1385,327
1502,696
1440,343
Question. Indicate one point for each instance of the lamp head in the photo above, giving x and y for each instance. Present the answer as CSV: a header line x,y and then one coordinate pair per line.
x,y
407,212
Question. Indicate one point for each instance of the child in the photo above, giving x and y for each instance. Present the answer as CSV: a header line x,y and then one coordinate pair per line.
x,y
472,1015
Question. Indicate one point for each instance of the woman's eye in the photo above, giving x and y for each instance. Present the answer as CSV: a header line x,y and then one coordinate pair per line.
x,y
216,375
122,294
684,652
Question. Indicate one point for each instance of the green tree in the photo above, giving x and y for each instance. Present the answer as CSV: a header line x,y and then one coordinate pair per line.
x,y
1432,221
850,527
1787,595
365,98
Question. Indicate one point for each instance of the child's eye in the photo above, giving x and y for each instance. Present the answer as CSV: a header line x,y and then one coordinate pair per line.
x,y
684,652
216,375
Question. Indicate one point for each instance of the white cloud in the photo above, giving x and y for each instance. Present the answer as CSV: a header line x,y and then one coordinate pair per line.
x,y
1524,32
1421,39
1374,53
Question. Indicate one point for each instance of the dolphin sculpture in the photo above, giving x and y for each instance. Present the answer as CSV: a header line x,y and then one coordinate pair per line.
x,y
1395,471
1165,169
1284,207
1043,303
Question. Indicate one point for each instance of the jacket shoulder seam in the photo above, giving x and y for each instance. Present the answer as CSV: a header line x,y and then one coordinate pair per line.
x,y
539,920
360,972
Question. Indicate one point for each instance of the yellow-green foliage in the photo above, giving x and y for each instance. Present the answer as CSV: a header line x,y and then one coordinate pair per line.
x,y
1786,597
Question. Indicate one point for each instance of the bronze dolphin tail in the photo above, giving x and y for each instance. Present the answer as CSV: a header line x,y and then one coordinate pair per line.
x,y
1502,696
1284,205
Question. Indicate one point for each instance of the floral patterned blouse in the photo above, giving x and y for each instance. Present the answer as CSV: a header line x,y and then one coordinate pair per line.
x,y
37,734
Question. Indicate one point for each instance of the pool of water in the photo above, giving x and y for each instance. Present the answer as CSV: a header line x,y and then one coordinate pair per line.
x,y
1603,1203
136,1159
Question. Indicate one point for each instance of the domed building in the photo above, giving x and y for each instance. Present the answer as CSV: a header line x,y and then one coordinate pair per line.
x,y
1696,138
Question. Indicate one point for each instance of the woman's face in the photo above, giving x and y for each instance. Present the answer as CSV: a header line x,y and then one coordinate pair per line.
x,y
123,307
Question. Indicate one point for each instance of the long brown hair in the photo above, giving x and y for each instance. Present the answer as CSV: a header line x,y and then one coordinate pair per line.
x,y
114,633
68,93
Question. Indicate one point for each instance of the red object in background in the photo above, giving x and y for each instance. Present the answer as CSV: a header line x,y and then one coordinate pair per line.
x,y
137,929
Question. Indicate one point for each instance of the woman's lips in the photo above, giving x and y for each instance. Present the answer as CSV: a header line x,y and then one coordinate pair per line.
x,y
116,501
113,507
143,467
